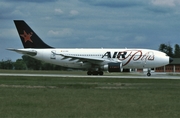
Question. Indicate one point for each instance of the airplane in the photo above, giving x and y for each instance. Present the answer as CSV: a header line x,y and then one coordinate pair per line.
x,y
94,60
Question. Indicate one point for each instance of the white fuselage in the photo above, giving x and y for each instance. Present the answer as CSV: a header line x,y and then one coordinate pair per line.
x,y
130,58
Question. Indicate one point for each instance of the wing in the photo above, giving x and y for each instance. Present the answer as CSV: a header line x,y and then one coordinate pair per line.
x,y
84,59
25,52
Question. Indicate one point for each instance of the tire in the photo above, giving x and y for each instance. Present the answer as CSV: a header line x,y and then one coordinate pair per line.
x,y
148,74
89,73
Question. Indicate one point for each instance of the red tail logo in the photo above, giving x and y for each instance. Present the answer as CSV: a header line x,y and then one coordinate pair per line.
x,y
27,37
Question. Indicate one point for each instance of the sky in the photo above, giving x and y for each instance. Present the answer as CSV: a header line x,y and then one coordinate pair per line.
x,y
91,23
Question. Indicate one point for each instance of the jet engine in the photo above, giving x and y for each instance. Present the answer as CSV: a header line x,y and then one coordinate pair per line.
x,y
113,67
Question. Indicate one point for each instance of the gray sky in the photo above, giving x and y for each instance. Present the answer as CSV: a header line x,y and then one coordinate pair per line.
x,y
91,23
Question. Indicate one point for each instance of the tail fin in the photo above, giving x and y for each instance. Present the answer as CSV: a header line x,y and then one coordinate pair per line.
x,y
28,37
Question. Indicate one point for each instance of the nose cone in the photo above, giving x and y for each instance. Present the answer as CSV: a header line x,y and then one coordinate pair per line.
x,y
170,59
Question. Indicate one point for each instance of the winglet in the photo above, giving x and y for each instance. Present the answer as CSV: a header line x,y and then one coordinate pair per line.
x,y
28,37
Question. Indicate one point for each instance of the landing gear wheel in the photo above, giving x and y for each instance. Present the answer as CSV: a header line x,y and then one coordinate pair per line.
x,y
148,74
95,73
89,73
100,72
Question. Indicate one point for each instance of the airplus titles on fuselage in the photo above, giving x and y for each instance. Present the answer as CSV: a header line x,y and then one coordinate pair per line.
x,y
130,55
115,55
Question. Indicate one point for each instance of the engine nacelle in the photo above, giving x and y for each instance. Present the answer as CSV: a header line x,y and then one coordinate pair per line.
x,y
113,67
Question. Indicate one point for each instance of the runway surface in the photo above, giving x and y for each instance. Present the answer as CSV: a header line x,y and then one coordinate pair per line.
x,y
140,76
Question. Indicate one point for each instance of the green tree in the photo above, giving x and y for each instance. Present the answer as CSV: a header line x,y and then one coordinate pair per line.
x,y
8,64
47,66
176,51
163,47
19,64
31,63
166,49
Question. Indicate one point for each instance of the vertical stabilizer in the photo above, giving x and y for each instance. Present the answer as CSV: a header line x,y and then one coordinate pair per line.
x,y
28,37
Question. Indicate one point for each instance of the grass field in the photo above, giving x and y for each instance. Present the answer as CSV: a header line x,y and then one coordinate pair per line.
x,y
48,97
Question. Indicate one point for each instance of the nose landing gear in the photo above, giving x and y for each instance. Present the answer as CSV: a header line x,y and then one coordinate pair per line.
x,y
149,72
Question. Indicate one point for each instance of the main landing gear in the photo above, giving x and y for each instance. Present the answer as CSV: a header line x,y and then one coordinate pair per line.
x,y
149,72
95,73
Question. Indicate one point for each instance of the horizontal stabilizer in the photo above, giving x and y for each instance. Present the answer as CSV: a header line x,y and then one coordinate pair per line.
x,y
29,52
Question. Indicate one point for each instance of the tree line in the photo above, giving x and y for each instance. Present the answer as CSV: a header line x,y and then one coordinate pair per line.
x,y
28,63
166,48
